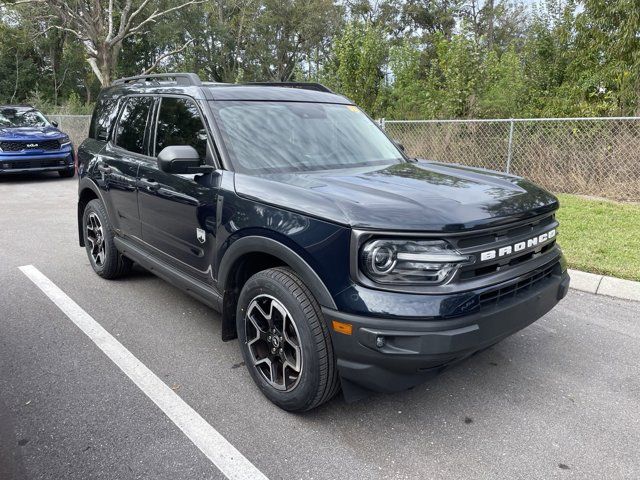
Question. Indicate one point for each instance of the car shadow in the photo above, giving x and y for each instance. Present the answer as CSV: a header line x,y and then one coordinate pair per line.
x,y
16,178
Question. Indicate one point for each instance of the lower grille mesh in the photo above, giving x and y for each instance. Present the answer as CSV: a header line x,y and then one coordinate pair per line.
x,y
31,163
499,295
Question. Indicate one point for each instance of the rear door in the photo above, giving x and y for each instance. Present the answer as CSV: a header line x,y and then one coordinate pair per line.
x,y
178,211
118,163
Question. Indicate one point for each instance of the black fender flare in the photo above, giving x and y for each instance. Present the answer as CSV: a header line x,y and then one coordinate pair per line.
x,y
257,244
85,183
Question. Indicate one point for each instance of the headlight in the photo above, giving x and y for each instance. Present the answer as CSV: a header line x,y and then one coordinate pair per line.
x,y
64,140
410,262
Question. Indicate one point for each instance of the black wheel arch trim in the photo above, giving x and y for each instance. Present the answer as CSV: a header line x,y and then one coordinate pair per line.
x,y
86,184
257,244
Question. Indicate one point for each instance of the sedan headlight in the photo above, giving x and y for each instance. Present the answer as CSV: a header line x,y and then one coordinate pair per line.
x,y
64,140
410,262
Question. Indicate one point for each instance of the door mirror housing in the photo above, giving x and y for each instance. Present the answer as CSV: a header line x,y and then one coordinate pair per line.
x,y
399,145
54,124
181,159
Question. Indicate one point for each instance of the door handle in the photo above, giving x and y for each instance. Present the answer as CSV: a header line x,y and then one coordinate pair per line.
x,y
104,169
149,184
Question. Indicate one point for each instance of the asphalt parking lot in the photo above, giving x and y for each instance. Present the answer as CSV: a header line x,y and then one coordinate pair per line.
x,y
561,399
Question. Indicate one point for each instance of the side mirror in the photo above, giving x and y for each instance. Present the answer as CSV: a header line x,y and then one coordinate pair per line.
x,y
181,159
400,146
55,124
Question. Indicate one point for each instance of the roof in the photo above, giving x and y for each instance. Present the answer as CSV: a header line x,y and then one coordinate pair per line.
x,y
190,84
273,93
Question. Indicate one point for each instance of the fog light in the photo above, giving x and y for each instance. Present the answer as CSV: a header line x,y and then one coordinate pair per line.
x,y
380,342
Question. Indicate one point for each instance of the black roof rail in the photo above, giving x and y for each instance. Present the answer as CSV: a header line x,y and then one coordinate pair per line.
x,y
182,79
318,87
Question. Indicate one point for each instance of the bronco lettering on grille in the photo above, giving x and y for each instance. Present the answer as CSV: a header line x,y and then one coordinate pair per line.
x,y
518,247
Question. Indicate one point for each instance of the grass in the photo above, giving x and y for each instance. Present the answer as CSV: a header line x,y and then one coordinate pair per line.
x,y
600,236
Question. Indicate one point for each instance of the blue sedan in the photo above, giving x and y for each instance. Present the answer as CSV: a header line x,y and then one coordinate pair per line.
x,y
30,143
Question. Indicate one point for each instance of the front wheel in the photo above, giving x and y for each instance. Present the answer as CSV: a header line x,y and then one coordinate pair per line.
x,y
285,342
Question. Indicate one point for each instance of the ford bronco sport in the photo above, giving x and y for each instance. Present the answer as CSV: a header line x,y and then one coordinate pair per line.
x,y
335,259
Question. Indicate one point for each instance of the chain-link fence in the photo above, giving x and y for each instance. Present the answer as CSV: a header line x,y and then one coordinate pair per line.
x,y
76,126
588,156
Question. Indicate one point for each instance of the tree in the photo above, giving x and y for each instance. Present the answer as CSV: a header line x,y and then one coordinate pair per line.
x,y
503,92
102,25
19,64
606,68
454,76
359,56
286,32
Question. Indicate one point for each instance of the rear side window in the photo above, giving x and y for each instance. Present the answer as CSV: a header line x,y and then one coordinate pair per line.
x,y
132,125
103,117
179,123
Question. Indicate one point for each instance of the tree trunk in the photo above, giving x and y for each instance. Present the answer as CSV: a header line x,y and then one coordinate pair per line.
x,y
490,21
104,63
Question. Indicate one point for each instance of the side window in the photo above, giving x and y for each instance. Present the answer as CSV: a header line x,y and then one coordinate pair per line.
x,y
103,117
133,123
179,123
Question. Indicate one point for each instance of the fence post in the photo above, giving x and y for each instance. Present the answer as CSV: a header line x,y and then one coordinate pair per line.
x,y
510,149
381,122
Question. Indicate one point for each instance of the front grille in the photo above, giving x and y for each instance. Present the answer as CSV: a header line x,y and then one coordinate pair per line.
x,y
14,146
504,236
31,163
502,294
506,232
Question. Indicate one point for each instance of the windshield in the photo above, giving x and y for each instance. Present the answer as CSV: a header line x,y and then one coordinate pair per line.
x,y
21,117
270,137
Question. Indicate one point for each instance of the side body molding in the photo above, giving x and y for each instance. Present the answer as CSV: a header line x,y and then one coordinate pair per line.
x,y
255,244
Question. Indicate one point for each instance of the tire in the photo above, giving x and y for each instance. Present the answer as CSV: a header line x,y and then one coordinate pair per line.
x,y
267,299
105,259
68,173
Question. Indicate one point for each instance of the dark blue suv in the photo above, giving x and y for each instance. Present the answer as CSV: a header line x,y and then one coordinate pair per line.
x,y
30,143
335,259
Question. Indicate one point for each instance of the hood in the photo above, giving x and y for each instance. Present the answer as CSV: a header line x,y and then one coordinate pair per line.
x,y
29,133
422,196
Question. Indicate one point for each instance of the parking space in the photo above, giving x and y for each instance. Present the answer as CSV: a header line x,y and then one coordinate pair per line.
x,y
558,400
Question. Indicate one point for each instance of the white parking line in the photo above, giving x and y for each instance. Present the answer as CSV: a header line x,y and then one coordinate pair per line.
x,y
217,449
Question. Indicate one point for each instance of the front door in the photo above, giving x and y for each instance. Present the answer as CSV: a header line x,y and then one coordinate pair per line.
x,y
178,211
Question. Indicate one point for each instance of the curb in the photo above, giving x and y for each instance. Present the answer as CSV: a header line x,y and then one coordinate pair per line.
x,y
603,285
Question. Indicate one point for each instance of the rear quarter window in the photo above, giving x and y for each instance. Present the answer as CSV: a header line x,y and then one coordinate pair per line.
x,y
104,116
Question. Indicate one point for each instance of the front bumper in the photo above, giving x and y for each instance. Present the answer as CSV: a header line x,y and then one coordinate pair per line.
x,y
22,163
415,349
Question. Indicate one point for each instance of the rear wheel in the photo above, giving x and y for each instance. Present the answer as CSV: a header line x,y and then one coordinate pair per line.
x,y
98,240
285,342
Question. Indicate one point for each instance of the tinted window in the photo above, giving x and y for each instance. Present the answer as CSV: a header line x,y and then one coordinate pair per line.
x,y
103,116
132,124
179,123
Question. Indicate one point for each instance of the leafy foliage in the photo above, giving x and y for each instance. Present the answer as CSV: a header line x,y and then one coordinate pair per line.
x,y
395,58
